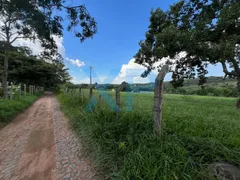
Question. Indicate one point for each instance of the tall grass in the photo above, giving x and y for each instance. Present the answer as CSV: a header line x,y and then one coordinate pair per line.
x,y
9,108
196,132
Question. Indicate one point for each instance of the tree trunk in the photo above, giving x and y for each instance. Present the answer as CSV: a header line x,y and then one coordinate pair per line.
x,y
238,86
238,83
158,100
5,73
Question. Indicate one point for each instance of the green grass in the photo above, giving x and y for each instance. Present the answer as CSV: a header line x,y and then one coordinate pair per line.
x,y
196,132
10,108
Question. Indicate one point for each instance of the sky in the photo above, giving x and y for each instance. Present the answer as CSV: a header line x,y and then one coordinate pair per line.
x,y
121,25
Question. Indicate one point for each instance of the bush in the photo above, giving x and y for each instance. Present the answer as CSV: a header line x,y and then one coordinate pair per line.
x,y
208,91
227,92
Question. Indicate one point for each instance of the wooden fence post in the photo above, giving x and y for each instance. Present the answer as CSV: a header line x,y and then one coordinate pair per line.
x,y
118,90
24,90
79,92
158,98
82,94
20,90
100,99
91,89
11,91
30,90
90,92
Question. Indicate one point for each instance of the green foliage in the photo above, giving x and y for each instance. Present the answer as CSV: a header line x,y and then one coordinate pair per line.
x,y
215,86
207,91
126,148
40,20
205,32
10,108
28,69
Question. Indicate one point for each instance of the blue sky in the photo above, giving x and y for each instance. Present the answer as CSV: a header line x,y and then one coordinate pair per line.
x,y
121,25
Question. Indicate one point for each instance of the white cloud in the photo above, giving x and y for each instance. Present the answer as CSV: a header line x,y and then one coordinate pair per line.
x,y
36,47
75,62
59,43
131,73
85,80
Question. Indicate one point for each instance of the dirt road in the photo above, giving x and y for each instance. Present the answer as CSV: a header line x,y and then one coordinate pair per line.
x,y
39,145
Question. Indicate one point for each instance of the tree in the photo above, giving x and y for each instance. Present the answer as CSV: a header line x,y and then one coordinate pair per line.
x,y
35,19
28,69
203,31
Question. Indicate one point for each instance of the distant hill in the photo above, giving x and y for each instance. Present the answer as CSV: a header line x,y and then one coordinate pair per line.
x,y
212,81
215,86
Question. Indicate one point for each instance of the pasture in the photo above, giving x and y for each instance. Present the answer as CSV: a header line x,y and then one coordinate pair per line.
x,y
197,131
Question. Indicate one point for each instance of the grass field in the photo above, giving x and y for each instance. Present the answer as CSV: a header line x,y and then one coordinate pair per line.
x,y
10,108
196,132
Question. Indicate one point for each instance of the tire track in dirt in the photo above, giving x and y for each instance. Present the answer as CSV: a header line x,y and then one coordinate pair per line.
x,y
13,139
70,157
39,145
37,161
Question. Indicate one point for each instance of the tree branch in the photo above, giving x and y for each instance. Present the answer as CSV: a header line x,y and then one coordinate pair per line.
x,y
236,66
22,37
225,70
3,35
75,7
12,34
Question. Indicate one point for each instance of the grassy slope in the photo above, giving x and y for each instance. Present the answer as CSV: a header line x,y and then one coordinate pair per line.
x,y
197,131
9,108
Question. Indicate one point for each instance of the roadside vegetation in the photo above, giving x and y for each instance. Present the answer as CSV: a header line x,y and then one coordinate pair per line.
x,y
10,108
196,132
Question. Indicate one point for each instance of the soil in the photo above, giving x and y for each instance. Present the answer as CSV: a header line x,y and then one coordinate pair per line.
x,y
39,145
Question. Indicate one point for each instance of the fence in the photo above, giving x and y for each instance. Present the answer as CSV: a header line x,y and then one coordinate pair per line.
x,y
158,98
22,90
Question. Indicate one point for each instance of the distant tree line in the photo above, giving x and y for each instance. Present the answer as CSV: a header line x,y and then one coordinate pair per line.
x,y
215,86
28,69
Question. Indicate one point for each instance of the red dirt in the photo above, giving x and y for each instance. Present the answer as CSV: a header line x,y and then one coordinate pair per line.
x,y
37,161
28,150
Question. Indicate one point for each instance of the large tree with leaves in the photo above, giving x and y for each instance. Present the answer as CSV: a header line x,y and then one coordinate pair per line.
x,y
38,19
203,31
28,69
